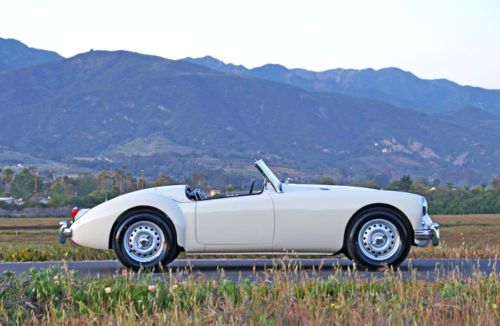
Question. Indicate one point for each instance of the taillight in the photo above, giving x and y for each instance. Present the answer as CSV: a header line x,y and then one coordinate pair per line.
x,y
74,211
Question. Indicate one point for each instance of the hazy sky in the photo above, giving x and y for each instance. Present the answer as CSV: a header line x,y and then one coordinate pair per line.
x,y
454,39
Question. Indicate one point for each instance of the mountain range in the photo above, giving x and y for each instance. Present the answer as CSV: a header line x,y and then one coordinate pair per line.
x,y
105,109
391,85
15,54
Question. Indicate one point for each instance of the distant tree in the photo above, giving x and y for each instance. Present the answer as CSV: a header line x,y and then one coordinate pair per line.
x,y
7,176
119,178
436,182
64,186
393,185
23,184
105,181
496,184
197,180
86,183
130,183
57,187
367,184
325,181
405,183
381,180
163,180
50,175
419,186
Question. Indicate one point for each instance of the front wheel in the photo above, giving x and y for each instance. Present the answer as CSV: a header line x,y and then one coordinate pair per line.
x,y
143,239
378,238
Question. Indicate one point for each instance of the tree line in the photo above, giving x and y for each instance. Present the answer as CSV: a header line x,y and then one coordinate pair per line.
x,y
88,190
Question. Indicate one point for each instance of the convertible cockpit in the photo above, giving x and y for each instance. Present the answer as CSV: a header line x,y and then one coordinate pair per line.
x,y
199,194
269,177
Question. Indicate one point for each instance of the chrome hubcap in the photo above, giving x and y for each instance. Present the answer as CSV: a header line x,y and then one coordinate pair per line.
x,y
144,241
379,239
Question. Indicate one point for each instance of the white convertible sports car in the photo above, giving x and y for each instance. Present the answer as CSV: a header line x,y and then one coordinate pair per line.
x,y
149,228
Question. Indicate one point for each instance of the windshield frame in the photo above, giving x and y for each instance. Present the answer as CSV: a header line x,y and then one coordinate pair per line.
x,y
268,174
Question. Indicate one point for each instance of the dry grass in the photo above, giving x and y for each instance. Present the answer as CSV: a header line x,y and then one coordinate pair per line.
x,y
50,297
26,244
33,222
463,236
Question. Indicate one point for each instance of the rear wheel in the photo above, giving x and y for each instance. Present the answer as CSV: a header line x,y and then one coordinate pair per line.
x,y
143,239
379,237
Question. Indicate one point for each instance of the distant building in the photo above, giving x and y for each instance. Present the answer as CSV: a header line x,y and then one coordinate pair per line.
x,y
7,200
40,200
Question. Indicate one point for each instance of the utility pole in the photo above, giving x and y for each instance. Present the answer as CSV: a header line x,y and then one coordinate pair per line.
x,y
36,180
142,179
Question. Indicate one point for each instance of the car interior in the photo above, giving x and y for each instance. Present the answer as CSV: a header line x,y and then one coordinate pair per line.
x,y
199,194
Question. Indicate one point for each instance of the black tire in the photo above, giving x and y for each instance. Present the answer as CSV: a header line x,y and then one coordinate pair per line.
x,y
347,254
162,257
386,221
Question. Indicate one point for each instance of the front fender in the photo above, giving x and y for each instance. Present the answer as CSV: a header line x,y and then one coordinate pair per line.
x,y
94,228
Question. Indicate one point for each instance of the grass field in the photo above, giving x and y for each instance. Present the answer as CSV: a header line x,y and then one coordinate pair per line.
x,y
463,236
51,297
54,297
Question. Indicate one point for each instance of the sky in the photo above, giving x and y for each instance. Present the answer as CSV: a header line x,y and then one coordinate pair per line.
x,y
454,39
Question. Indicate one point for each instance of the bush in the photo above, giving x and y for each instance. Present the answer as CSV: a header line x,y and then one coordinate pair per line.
x,y
26,255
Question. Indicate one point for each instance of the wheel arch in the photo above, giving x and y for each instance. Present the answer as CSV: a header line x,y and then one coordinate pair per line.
x,y
157,210
363,209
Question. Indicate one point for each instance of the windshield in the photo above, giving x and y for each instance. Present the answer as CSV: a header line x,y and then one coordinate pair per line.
x,y
268,174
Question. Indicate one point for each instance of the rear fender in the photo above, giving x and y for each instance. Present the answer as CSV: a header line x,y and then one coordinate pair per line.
x,y
94,228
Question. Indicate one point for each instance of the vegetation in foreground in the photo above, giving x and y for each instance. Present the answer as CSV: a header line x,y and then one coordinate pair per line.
x,y
463,236
51,297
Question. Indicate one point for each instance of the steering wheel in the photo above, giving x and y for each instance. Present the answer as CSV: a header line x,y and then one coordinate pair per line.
x,y
251,186
199,194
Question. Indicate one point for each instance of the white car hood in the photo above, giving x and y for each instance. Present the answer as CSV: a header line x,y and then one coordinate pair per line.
x,y
374,193
312,187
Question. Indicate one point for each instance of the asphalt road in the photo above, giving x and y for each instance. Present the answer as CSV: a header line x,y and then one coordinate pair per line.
x,y
256,269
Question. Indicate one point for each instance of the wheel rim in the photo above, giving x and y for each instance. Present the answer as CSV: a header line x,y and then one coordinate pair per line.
x,y
379,239
144,241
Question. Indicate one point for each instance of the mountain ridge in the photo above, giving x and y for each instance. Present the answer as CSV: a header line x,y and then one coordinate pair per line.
x,y
102,109
392,85
15,54
108,106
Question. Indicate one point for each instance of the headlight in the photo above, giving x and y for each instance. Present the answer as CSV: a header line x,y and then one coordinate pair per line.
x,y
425,206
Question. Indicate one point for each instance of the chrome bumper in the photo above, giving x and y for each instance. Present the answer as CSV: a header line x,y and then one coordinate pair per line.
x,y
429,233
64,231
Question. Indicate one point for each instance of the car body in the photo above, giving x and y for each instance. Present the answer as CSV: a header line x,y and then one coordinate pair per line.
x,y
279,218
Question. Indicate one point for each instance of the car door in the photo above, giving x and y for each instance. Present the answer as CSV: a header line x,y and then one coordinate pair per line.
x,y
242,220
309,221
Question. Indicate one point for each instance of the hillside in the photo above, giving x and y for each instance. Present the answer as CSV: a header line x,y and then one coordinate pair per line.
x,y
14,55
391,85
102,109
